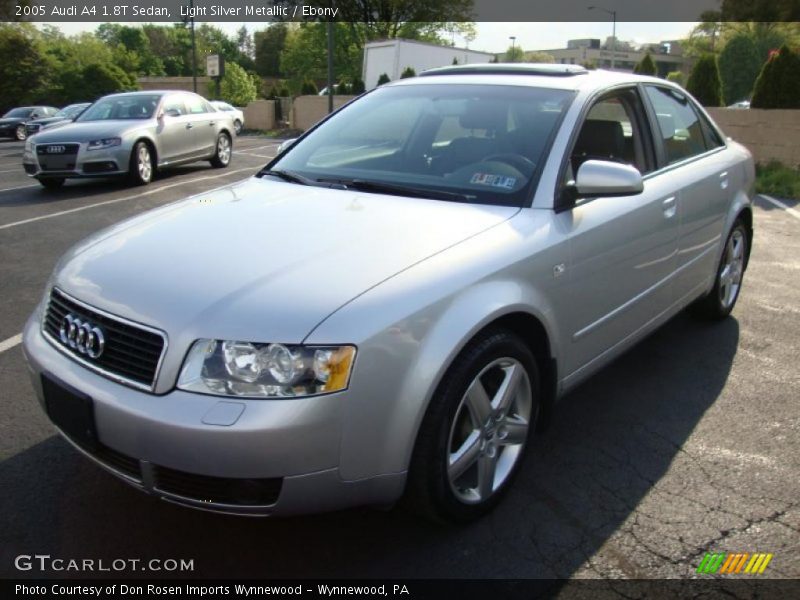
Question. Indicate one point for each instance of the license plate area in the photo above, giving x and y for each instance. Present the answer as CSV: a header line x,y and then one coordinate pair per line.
x,y
71,411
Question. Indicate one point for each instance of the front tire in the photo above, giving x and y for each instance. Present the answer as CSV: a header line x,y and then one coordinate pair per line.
x,y
474,435
730,272
237,126
141,165
21,133
222,155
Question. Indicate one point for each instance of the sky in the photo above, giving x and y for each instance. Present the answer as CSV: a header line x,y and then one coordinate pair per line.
x,y
494,37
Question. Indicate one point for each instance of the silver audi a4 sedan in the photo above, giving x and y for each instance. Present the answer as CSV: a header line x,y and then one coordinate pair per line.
x,y
131,134
392,305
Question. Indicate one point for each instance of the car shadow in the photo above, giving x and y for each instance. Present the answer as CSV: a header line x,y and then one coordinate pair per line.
x,y
608,444
86,188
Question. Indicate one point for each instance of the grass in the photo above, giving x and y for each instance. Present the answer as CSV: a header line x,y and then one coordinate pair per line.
x,y
775,179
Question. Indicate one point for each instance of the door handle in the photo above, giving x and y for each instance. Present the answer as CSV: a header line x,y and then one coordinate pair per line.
x,y
212,123
189,126
670,207
723,183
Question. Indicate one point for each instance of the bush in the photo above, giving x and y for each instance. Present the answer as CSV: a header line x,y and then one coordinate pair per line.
x,y
384,78
237,87
283,91
778,84
309,88
408,72
739,65
646,66
101,79
357,87
775,179
704,83
676,77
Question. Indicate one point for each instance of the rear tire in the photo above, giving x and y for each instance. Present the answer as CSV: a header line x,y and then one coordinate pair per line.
x,y
52,183
719,303
141,167
21,133
237,126
222,154
472,440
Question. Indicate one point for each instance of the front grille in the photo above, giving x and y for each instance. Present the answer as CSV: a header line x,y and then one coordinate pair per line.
x,y
220,490
131,354
68,149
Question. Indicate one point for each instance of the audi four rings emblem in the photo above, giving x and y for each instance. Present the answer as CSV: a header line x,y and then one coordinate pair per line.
x,y
82,336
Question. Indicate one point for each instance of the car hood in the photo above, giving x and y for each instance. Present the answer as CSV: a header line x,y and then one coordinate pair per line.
x,y
89,130
260,260
47,120
12,121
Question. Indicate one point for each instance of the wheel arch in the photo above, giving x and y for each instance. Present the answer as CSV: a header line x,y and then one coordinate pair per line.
x,y
150,144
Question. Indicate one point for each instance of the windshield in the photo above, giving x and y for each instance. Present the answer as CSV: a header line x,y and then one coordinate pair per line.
x,y
70,111
18,112
479,143
133,106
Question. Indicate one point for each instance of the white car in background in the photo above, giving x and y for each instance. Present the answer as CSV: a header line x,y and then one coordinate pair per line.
x,y
237,114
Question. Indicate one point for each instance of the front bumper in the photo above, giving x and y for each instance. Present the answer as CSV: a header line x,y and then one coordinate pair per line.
x,y
86,163
194,449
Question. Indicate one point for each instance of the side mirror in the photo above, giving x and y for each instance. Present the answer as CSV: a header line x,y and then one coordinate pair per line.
x,y
604,178
286,145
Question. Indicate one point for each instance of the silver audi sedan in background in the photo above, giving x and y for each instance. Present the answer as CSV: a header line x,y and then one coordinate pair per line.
x,y
133,135
393,305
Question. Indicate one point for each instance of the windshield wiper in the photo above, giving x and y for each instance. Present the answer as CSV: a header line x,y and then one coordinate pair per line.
x,y
290,176
399,190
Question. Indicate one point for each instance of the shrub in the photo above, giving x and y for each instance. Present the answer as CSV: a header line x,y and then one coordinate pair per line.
x,y
408,72
237,87
646,66
775,179
357,87
384,78
778,84
739,65
704,83
676,77
309,88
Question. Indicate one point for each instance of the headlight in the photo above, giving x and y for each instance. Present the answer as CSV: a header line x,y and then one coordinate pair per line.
x,y
102,144
233,368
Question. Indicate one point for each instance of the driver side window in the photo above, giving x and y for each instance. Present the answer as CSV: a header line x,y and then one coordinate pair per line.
x,y
611,132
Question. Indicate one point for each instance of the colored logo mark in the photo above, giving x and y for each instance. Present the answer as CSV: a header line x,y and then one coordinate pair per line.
x,y
734,563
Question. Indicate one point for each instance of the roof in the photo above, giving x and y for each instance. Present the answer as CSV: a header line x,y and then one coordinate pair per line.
x,y
554,76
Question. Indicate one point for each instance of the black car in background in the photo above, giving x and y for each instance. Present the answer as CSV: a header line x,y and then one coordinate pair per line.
x,y
13,122
64,116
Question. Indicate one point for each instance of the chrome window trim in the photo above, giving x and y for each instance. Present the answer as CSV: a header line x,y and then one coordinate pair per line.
x,y
93,367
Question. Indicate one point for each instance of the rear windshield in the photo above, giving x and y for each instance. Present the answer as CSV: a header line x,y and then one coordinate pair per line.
x,y
135,106
485,143
15,113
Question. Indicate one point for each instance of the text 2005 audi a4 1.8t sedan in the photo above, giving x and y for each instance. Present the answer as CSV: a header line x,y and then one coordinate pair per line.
x,y
392,305
131,134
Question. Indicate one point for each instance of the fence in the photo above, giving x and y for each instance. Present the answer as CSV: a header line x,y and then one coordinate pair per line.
x,y
768,134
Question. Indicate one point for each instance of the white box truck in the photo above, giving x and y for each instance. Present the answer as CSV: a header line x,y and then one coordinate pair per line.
x,y
393,56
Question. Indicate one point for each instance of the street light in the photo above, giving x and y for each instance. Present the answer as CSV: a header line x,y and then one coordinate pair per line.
x,y
189,20
613,14
513,39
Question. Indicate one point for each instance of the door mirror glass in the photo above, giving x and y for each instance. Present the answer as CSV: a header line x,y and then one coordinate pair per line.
x,y
606,178
172,112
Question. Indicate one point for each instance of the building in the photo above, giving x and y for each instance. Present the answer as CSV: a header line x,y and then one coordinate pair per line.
x,y
392,57
667,55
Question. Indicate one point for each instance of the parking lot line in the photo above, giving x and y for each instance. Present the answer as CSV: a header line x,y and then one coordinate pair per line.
x,y
19,187
780,204
10,343
115,200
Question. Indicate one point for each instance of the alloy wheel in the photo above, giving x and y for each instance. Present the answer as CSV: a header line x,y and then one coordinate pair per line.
x,y
730,276
21,133
489,430
224,149
144,163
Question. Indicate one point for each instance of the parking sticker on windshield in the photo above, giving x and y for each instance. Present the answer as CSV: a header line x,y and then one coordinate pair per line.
x,y
500,181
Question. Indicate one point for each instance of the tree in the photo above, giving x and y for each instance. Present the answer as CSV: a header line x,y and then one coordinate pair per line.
x,y
408,72
269,44
539,57
760,10
739,66
514,54
24,73
244,41
237,87
646,66
704,83
777,85
305,53
100,79
384,78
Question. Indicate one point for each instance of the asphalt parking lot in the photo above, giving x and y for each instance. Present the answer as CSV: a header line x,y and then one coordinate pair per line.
x,y
688,444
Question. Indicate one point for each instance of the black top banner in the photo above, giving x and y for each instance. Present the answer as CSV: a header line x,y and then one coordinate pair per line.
x,y
377,10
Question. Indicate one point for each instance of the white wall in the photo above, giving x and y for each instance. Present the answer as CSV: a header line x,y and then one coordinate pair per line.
x,y
392,57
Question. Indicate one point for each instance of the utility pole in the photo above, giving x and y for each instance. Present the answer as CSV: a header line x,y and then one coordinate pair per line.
x,y
330,66
194,48
613,14
513,39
